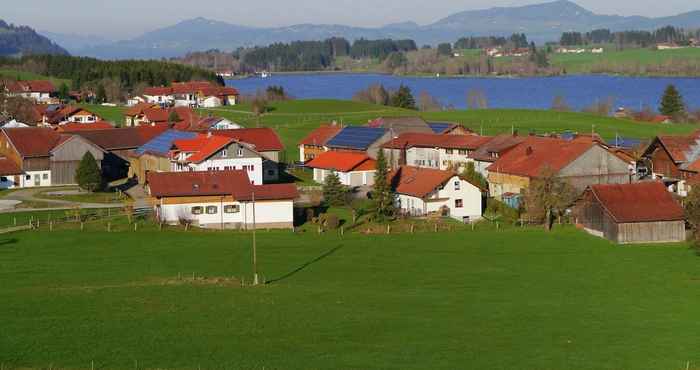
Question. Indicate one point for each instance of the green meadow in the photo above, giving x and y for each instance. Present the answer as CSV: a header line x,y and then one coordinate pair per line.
x,y
486,299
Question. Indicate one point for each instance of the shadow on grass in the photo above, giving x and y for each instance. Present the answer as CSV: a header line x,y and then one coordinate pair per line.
x,y
305,265
8,242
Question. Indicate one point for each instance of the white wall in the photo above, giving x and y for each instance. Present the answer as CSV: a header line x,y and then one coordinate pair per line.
x,y
345,177
221,164
44,179
266,212
210,102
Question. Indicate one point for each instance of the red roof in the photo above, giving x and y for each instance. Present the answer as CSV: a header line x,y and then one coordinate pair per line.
x,y
38,86
203,146
72,127
535,154
123,138
9,168
215,183
205,88
33,141
262,139
157,91
678,146
639,202
139,109
418,182
343,161
321,135
409,140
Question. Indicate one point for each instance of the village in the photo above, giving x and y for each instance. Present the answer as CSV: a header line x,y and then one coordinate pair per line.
x,y
214,173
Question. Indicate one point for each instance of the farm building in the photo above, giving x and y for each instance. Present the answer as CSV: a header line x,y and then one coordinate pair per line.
x,y
353,168
315,142
425,191
154,156
220,199
359,139
643,212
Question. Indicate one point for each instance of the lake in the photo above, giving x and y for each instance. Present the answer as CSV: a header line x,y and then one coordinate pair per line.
x,y
532,93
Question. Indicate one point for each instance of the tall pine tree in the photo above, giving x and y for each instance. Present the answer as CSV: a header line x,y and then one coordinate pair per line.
x,y
403,98
334,192
672,104
383,196
88,176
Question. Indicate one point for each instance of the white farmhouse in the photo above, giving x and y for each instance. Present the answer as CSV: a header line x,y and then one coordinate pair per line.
x,y
424,191
220,200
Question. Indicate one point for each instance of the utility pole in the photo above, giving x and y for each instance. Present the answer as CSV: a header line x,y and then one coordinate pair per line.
x,y
255,251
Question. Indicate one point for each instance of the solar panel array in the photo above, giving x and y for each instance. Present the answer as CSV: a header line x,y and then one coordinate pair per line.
x,y
439,127
356,137
162,143
625,142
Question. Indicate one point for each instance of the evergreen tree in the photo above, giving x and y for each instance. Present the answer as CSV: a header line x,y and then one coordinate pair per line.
x,y
334,193
473,176
383,195
63,92
403,98
445,49
672,102
101,95
88,175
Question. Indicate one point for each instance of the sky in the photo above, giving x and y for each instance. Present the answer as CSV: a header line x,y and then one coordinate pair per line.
x,y
123,19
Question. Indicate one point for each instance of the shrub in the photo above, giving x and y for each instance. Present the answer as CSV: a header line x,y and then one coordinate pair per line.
x,y
332,222
88,175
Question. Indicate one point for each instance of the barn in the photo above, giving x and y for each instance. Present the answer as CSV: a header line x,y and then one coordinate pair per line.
x,y
642,212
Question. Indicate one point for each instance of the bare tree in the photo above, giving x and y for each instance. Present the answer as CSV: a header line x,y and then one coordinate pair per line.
x,y
559,104
548,196
428,103
476,99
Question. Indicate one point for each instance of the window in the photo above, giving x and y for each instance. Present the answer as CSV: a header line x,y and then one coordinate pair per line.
x,y
232,208
197,210
240,152
224,153
28,177
459,203
45,176
212,210
462,152
457,185
449,151
3,179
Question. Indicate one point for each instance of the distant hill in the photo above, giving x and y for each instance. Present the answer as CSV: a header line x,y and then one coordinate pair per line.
x,y
541,22
73,42
22,40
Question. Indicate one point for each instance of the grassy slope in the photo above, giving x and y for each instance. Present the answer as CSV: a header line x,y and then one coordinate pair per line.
x,y
21,75
518,299
582,63
295,119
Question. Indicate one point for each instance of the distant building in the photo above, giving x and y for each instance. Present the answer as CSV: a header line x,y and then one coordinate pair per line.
x,y
314,143
195,94
38,90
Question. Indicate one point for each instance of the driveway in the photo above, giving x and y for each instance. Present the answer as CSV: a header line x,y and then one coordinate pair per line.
x,y
29,195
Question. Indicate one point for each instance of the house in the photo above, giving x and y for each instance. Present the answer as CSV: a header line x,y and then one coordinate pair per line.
x,y
673,160
315,142
137,114
221,200
401,125
448,128
154,156
44,157
424,191
359,139
432,150
492,150
195,94
119,144
214,123
69,114
643,212
38,90
135,100
207,152
265,142
581,162
73,127
353,168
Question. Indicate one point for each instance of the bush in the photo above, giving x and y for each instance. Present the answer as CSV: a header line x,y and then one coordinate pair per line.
x,y
501,211
88,176
332,222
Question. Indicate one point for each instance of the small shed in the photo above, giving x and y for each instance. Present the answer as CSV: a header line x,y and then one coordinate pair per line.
x,y
642,212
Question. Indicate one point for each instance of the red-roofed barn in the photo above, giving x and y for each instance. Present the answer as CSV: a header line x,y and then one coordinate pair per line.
x,y
643,212
353,168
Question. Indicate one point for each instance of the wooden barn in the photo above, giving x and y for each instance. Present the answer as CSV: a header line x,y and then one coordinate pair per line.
x,y
642,212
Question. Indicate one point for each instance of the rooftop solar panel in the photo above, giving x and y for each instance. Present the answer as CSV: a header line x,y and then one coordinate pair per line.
x,y
162,143
439,127
356,137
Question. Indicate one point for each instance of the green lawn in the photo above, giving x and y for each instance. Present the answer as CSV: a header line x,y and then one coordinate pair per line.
x,y
588,62
110,114
516,299
96,197
296,118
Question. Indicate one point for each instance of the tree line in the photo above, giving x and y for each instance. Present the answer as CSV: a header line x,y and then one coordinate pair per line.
x,y
668,34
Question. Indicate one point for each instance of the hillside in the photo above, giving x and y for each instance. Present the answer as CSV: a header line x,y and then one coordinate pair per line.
x,y
541,22
22,40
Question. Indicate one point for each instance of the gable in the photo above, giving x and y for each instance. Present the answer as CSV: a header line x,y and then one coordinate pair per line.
x,y
595,161
74,148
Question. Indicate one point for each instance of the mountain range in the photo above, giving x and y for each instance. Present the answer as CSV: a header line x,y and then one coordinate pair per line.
x,y
22,40
540,22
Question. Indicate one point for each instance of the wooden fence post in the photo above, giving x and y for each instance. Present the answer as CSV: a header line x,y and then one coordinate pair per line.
x,y
82,226
50,225
388,229
15,220
136,224
109,227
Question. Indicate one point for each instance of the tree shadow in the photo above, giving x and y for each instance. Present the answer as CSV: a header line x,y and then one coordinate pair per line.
x,y
8,242
305,265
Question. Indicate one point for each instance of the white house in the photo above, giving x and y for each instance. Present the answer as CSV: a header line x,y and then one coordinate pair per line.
x,y
208,152
424,191
193,94
353,168
38,90
220,199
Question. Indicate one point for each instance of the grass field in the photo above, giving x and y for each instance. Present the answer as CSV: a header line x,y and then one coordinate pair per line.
x,y
295,119
586,63
21,75
514,299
